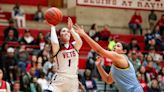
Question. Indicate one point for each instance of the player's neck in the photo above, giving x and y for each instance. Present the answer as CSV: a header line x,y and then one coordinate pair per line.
x,y
66,45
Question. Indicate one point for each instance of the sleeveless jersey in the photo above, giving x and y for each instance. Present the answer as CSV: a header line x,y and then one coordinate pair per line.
x,y
125,79
67,60
3,86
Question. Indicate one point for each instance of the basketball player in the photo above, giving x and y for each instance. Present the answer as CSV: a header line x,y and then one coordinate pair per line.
x,y
4,85
66,55
122,71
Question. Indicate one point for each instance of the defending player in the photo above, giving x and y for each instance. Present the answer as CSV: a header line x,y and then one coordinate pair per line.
x,y
67,57
122,71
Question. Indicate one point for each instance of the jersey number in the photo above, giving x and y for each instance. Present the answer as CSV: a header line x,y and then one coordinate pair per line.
x,y
69,62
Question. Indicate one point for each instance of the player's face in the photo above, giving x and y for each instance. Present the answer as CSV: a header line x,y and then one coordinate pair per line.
x,y
118,48
65,35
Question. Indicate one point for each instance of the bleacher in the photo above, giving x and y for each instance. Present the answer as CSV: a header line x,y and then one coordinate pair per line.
x,y
85,48
26,2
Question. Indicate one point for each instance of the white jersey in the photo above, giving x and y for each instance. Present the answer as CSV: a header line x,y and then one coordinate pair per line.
x,y
67,60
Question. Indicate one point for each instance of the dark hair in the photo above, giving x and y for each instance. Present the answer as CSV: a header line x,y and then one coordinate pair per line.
x,y
42,74
125,47
85,76
93,26
3,46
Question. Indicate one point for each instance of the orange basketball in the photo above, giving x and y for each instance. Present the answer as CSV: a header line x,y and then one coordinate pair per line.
x,y
53,16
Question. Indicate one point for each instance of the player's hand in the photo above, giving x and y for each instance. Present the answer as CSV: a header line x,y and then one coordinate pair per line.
x,y
47,23
79,30
99,60
70,23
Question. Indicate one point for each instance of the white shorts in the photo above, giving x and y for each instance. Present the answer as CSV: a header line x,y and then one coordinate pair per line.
x,y
63,83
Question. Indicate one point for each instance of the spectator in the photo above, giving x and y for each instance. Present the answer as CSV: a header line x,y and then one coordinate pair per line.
x,y
3,53
135,23
11,27
157,58
44,54
23,56
107,64
88,82
28,84
16,87
154,86
47,66
10,63
42,81
105,33
142,82
39,15
152,17
135,61
51,72
134,45
36,87
148,36
161,78
11,37
151,44
112,42
157,35
5,86
152,73
161,24
47,38
39,67
148,58
40,40
34,59
4,49
27,39
161,72
93,32
141,57
19,16
91,62
142,71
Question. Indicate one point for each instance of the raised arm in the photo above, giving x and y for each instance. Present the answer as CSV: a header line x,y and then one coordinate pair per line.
x,y
54,41
117,59
76,37
106,77
95,46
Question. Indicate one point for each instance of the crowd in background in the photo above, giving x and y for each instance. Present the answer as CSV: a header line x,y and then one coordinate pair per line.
x,y
30,70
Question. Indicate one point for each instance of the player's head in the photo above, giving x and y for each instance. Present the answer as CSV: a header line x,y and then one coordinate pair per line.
x,y
65,35
121,48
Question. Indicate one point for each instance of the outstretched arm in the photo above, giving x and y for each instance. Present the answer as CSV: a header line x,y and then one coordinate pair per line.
x,y
106,77
117,59
76,37
54,41
95,46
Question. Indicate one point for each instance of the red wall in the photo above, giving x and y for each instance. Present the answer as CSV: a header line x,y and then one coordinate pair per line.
x,y
26,2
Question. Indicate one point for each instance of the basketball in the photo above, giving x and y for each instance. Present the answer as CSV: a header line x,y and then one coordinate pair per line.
x,y
53,16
